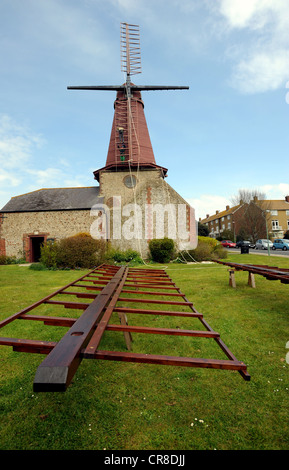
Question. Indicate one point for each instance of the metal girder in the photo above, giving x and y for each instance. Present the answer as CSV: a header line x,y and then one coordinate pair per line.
x,y
82,340
270,272
58,368
123,87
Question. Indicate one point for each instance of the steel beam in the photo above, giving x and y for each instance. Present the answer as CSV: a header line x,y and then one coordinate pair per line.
x,y
58,368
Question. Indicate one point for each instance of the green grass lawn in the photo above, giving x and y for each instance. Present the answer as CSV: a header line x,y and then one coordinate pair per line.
x,y
119,406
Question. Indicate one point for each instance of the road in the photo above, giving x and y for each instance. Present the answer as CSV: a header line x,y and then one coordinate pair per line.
x,y
261,252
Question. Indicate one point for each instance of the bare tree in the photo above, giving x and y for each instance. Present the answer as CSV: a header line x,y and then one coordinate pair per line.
x,y
246,195
253,222
255,219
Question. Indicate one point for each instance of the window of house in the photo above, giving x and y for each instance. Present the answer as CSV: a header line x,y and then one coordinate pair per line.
x,y
228,217
275,224
274,212
229,225
287,212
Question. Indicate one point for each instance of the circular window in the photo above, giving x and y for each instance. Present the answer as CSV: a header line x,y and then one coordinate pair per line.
x,y
109,202
130,181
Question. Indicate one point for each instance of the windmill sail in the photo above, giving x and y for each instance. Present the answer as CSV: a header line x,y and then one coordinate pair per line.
x,y
130,49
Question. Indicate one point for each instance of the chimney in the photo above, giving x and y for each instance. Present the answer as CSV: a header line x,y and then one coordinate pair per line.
x,y
217,212
207,216
227,208
287,198
255,199
200,219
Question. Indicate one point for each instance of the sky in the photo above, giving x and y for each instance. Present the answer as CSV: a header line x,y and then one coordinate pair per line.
x,y
229,131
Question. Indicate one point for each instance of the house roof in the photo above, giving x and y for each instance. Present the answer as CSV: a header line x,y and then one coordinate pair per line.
x,y
274,204
54,199
226,212
266,204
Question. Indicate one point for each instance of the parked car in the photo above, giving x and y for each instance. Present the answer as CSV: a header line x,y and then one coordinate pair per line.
x,y
262,244
245,243
228,244
281,245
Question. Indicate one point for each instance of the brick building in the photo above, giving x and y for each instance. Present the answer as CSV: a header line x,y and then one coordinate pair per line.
x,y
277,215
228,219
272,215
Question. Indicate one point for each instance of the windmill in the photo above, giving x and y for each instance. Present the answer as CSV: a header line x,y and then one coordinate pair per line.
x,y
129,142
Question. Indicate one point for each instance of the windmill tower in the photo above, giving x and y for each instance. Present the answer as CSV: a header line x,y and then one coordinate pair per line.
x,y
130,163
130,143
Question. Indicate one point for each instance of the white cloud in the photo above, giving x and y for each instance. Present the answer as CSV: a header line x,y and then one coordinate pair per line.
x,y
262,58
55,177
16,143
261,72
248,13
8,179
275,191
207,204
50,176
19,161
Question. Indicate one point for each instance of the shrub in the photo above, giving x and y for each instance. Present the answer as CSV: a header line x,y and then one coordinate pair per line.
x,y
202,252
78,251
11,259
126,256
49,254
38,267
207,249
3,259
219,253
212,242
203,230
162,249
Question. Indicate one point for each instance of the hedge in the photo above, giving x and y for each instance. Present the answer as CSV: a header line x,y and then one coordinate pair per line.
x,y
78,251
162,249
207,249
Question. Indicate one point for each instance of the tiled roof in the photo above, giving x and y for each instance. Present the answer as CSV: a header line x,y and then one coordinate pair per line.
x,y
54,199
224,213
274,204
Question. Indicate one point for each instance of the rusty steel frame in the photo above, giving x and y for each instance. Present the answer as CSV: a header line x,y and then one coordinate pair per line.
x,y
108,284
272,273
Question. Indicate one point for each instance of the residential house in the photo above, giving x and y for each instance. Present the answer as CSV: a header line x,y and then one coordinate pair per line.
x,y
228,219
277,216
273,218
